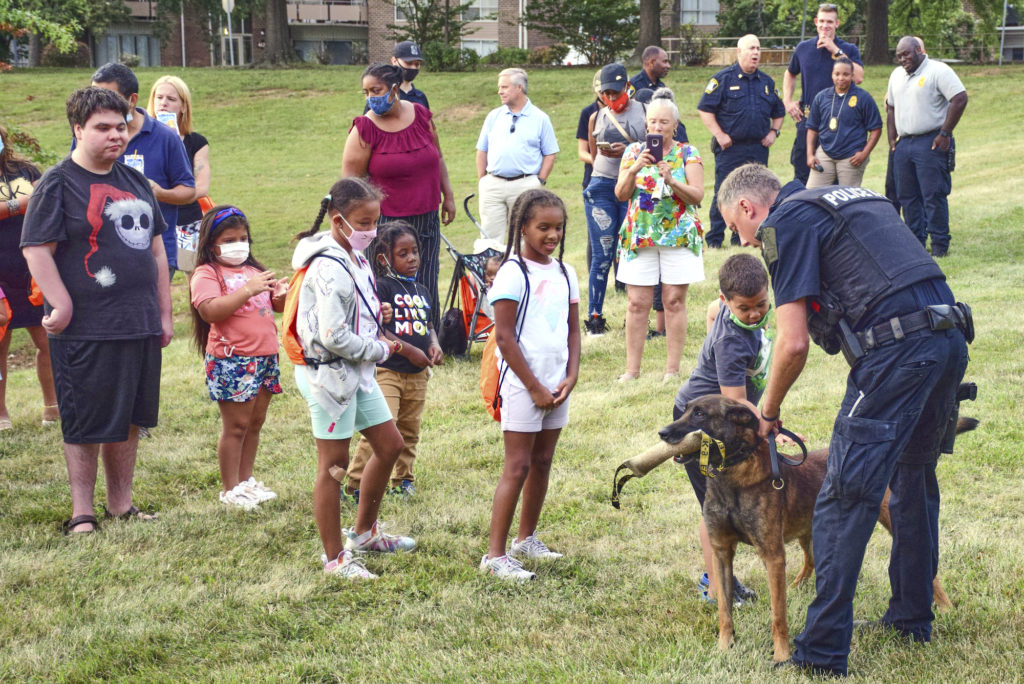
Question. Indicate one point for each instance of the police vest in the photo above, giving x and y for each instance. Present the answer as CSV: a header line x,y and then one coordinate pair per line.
x,y
871,253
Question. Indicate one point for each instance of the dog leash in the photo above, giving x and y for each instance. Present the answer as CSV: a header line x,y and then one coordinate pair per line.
x,y
777,481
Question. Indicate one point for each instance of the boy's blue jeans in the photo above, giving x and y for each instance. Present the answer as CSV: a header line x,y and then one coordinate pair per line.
x,y
605,214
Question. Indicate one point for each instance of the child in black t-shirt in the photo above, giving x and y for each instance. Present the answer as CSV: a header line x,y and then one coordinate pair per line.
x,y
395,257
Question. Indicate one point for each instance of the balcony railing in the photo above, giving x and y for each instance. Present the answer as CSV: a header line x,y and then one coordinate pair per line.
x,y
328,12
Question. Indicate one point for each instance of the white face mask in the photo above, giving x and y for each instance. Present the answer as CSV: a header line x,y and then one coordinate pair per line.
x,y
234,253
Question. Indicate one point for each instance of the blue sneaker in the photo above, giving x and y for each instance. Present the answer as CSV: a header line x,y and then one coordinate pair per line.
x,y
351,498
740,593
405,489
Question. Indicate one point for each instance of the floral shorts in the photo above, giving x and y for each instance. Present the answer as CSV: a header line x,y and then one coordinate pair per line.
x,y
240,378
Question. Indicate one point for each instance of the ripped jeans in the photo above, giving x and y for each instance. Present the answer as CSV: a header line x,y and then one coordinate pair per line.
x,y
605,214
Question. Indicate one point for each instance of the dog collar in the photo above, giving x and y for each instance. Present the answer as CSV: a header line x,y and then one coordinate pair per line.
x,y
706,469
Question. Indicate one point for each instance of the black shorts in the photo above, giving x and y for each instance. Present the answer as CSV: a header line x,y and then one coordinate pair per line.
x,y
697,481
105,386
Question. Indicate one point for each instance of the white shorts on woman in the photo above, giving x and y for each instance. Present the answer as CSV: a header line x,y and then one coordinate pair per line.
x,y
668,265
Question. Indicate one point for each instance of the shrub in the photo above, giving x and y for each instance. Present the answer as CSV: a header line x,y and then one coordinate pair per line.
x,y
694,46
80,57
442,57
507,57
130,60
551,55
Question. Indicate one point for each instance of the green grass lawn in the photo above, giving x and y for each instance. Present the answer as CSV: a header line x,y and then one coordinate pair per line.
x,y
211,594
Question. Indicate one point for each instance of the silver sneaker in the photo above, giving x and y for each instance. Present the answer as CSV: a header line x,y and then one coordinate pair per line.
x,y
531,547
347,565
505,568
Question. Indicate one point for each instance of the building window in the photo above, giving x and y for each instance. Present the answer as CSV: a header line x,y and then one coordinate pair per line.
x,y
399,14
481,47
699,12
482,10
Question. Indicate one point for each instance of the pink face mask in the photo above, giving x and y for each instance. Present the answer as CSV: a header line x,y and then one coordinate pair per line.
x,y
359,240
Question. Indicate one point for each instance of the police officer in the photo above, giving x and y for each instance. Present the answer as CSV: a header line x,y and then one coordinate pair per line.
x,y
812,60
895,319
742,110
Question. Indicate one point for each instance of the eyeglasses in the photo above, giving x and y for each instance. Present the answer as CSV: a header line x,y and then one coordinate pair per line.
x,y
515,117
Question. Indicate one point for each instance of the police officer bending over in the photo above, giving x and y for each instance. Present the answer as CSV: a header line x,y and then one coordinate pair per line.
x,y
891,313
742,110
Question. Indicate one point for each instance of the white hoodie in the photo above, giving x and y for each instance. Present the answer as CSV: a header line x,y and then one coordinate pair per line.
x,y
335,324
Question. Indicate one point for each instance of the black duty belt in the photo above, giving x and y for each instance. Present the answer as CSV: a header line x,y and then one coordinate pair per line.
x,y
934,318
510,178
926,134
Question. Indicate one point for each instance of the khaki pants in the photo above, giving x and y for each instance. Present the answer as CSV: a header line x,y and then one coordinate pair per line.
x,y
839,171
406,395
496,199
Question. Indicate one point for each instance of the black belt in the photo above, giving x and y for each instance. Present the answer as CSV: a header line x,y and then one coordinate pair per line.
x,y
511,178
928,134
934,318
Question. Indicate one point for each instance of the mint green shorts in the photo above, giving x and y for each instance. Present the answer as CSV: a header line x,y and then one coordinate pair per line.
x,y
366,410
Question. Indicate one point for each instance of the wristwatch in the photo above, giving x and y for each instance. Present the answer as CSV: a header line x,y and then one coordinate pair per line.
x,y
838,53
945,134
777,132
543,181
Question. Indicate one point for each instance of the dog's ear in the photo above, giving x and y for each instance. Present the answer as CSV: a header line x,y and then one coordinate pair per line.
x,y
742,416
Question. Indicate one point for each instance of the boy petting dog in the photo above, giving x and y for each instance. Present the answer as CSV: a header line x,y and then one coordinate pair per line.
x,y
734,362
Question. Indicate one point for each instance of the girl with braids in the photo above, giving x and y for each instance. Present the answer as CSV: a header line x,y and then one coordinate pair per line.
x,y
395,258
536,321
395,147
233,302
338,323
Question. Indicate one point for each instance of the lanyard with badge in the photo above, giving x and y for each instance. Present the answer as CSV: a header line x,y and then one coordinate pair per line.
x,y
136,161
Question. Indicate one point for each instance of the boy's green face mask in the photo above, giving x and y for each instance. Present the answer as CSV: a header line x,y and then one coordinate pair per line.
x,y
746,326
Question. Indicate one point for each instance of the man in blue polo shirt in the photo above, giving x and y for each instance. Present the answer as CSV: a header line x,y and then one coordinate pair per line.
x,y
741,108
655,67
515,152
812,61
154,150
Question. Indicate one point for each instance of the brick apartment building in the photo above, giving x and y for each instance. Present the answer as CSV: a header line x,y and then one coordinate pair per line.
x,y
341,31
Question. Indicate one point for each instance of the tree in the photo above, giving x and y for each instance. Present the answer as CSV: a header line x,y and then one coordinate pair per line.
x,y
649,32
279,42
25,17
601,30
877,49
430,21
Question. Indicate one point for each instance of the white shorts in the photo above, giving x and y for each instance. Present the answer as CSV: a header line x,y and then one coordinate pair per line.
x,y
520,414
669,265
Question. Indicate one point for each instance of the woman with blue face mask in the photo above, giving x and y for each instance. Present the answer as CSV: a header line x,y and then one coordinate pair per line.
x,y
395,146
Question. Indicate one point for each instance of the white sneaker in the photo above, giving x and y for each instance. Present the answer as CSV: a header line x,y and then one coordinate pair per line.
x,y
239,499
347,565
531,547
258,490
506,568
377,540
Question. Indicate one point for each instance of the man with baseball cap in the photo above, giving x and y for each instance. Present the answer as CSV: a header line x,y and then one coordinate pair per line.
x,y
408,56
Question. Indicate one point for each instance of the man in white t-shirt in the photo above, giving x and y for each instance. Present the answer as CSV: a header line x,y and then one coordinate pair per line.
x,y
923,104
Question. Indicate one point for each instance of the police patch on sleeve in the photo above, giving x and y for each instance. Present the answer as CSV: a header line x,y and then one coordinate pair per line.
x,y
712,84
853,101
769,250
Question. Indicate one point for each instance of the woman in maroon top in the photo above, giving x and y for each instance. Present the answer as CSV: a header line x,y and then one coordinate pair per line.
x,y
395,146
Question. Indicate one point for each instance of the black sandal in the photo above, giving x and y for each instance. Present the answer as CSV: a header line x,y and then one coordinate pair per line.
x,y
132,513
70,524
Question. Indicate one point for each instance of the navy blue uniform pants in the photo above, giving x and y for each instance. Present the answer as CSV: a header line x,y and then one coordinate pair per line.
x,y
890,428
922,185
725,161
798,154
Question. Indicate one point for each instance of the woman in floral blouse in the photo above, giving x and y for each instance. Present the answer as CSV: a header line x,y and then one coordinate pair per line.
x,y
661,239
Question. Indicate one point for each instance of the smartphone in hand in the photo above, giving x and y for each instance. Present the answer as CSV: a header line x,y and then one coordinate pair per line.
x,y
654,146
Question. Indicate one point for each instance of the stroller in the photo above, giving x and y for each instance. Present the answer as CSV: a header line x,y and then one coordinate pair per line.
x,y
464,321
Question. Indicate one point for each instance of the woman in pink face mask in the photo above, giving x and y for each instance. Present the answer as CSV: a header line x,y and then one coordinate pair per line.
x,y
613,127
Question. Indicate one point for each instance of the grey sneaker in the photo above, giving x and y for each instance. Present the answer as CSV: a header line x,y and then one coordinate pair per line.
x,y
531,547
377,540
505,568
347,565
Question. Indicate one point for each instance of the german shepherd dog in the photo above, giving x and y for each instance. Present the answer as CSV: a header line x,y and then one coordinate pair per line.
x,y
742,505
